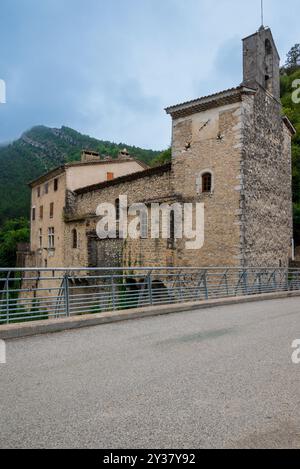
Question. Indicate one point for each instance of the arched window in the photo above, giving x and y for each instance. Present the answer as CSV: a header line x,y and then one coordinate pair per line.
x,y
268,47
74,239
206,182
268,64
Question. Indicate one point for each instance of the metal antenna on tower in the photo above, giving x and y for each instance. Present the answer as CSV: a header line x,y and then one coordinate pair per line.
x,y
262,12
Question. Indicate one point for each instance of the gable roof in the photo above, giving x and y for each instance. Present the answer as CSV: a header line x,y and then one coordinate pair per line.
x,y
127,178
232,95
61,169
289,125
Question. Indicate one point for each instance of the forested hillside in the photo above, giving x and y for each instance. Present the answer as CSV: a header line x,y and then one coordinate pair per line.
x,y
40,150
290,73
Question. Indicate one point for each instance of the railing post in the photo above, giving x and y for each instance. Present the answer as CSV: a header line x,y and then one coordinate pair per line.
x,y
66,295
7,297
259,282
226,282
149,282
113,293
178,280
205,284
246,281
287,280
274,281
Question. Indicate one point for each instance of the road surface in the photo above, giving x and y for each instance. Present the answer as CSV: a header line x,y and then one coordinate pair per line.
x,y
216,378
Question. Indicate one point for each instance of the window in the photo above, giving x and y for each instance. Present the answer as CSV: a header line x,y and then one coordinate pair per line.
x,y
206,182
110,176
74,239
40,238
172,225
46,263
51,238
41,212
55,184
39,192
33,214
117,208
51,210
268,47
171,241
46,188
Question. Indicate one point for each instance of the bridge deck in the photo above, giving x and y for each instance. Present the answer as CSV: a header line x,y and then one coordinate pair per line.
x,y
221,377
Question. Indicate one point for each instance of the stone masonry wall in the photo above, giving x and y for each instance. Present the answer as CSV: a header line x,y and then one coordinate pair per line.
x,y
266,195
80,214
214,138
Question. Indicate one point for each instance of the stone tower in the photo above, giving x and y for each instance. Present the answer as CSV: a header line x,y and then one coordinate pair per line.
x,y
261,62
239,141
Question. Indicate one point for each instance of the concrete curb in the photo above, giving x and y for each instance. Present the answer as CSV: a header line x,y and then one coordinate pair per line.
x,y
14,331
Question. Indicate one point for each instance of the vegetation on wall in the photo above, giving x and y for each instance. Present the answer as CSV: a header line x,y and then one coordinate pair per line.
x,y
290,73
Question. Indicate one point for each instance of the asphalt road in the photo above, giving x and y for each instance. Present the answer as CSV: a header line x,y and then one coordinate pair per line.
x,y
216,378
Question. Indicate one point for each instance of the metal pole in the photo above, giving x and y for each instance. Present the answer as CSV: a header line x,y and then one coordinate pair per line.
x,y
226,282
246,282
205,284
149,281
7,297
66,295
113,293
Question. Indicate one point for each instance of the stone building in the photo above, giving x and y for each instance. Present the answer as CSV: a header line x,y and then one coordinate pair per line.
x,y
231,151
49,199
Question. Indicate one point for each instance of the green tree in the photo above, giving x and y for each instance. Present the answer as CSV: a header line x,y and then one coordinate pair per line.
x,y
12,232
290,73
293,58
163,158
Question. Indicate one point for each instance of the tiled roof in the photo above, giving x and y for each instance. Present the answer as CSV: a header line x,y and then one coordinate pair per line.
x,y
207,102
127,178
60,169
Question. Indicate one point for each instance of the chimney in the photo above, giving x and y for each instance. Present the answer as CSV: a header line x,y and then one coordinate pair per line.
x,y
88,156
124,155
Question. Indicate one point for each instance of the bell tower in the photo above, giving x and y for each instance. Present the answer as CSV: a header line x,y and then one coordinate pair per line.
x,y
262,62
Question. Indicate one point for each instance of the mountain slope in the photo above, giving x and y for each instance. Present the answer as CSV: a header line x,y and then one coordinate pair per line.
x,y
40,150
292,110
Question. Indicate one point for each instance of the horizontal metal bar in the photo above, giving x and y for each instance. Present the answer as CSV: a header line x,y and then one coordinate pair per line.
x,y
95,290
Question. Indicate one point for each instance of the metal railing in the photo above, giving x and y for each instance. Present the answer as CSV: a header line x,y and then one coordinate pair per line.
x,y
36,294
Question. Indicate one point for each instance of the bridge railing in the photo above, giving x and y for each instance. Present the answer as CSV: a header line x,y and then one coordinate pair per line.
x,y
37,294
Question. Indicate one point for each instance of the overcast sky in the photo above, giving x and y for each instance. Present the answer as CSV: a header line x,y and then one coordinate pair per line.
x,y
108,68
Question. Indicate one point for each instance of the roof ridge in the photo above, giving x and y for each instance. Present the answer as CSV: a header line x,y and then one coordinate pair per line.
x,y
126,178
